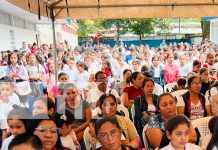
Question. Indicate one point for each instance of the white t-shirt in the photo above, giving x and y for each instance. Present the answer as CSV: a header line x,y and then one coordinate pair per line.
x,y
5,108
71,74
67,142
34,70
197,110
6,142
3,121
82,79
157,72
188,146
14,99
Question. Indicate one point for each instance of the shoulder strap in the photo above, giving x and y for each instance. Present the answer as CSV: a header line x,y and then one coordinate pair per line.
x,y
140,102
38,68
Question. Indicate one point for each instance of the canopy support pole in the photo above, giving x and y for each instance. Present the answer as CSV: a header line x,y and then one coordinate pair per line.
x,y
54,43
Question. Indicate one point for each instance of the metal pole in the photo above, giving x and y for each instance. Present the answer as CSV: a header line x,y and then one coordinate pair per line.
x,y
54,43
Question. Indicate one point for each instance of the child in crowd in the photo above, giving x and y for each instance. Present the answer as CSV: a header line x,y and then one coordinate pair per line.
x,y
64,120
177,131
17,123
6,91
50,77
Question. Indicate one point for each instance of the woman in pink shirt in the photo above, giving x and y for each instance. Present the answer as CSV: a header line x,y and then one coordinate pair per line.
x,y
171,71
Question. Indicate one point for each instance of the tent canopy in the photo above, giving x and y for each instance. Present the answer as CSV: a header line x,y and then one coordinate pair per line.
x,y
118,9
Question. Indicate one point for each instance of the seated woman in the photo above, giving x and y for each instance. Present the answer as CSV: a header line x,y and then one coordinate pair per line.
x,y
80,109
213,144
156,126
193,104
108,108
129,93
145,105
43,105
177,131
46,129
206,82
109,134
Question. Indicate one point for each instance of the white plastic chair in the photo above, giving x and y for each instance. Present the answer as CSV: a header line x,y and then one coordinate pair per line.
x,y
202,126
178,93
87,136
158,89
123,109
145,140
133,112
96,111
168,87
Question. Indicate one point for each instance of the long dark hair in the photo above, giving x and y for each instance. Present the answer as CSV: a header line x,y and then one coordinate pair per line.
x,y
109,67
132,77
214,138
18,58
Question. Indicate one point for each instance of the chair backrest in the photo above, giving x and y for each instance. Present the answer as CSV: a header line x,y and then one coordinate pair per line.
x,y
168,87
158,89
145,140
179,93
202,125
96,111
122,108
87,136
133,112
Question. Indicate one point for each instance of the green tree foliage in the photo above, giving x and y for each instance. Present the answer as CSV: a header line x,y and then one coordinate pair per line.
x,y
205,25
141,27
122,25
163,24
88,27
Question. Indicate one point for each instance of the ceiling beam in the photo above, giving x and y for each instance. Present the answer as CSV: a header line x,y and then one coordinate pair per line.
x,y
138,5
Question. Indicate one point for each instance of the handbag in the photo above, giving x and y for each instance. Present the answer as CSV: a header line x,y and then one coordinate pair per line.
x,y
23,88
146,116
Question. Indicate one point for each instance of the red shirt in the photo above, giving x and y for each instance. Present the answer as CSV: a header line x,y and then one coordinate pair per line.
x,y
133,92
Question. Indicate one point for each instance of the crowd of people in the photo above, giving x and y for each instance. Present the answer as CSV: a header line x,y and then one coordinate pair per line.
x,y
105,96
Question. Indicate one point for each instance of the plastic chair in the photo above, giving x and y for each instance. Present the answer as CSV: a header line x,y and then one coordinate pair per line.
x,y
123,109
202,126
178,93
87,136
158,89
133,112
168,87
145,140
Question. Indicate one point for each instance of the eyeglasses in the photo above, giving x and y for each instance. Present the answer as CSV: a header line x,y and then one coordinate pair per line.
x,y
44,130
196,84
106,104
113,133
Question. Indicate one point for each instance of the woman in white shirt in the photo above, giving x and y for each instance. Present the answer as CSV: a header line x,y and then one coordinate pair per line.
x,y
177,131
